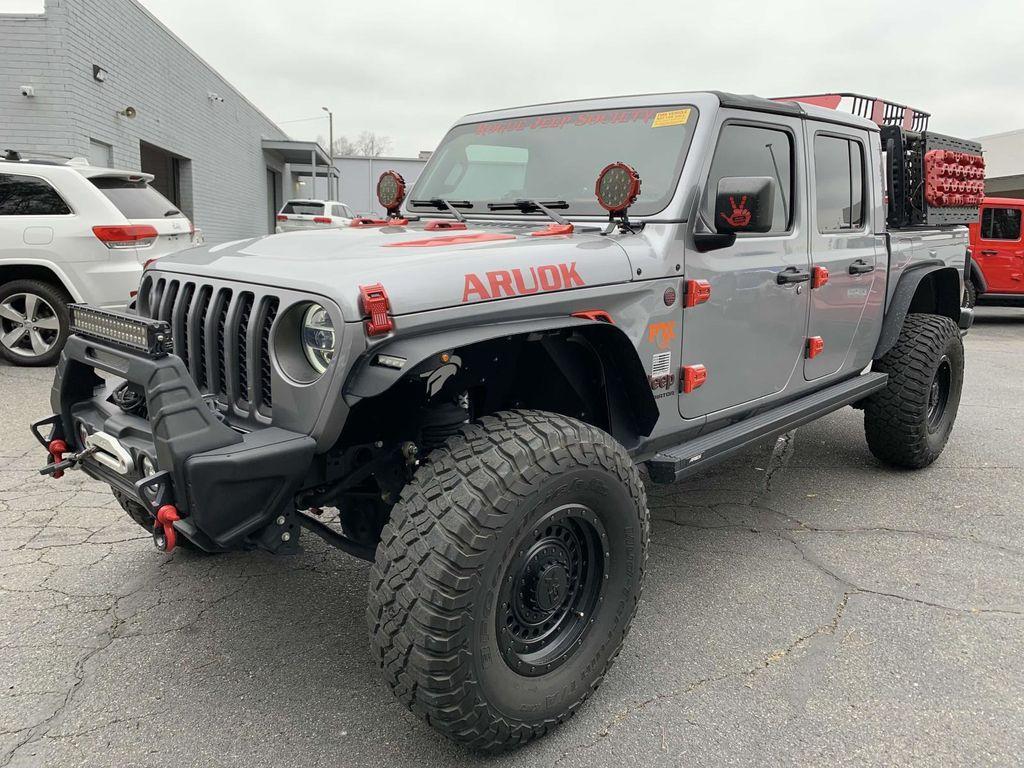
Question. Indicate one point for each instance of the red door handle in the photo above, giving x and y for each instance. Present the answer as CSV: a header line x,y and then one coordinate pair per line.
x,y
990,253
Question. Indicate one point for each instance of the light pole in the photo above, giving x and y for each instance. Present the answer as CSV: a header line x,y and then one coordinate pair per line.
x,y
330,153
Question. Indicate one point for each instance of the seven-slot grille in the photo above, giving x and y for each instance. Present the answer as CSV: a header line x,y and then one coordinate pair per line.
x,y
222,334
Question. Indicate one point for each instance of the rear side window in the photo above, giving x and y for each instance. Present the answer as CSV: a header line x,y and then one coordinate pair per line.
x,y
303,209
839,183
745,150
29,196
1000,224
135,198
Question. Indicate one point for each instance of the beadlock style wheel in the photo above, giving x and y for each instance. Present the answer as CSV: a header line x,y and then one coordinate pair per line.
x,y
551,589
507,576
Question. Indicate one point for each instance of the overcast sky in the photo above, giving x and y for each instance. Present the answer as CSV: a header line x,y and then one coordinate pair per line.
x,y
407,69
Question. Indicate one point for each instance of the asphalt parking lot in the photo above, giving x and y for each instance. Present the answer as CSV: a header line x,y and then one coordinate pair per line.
x,y
812,608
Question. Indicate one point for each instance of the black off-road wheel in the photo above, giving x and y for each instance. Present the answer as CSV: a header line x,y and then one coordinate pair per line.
x,y
908,423
507,577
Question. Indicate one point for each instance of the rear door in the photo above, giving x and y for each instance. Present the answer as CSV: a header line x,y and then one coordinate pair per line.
x,y
749,336
999,251
845,252
144,206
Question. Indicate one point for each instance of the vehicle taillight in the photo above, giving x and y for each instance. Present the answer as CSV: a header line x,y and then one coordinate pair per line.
x,y
321,219
282,217
126,235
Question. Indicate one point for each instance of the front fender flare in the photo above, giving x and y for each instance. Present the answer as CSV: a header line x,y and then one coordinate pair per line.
x,y
368,380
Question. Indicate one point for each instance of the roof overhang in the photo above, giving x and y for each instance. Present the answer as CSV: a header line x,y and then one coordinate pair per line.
x,y
297,152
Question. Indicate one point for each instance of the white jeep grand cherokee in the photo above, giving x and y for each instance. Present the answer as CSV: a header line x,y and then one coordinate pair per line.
x,y
73,232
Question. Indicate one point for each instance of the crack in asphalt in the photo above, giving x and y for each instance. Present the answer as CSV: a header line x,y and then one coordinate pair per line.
x,y
827,629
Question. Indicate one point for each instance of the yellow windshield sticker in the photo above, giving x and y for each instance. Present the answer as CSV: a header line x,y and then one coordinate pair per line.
x,y
675,117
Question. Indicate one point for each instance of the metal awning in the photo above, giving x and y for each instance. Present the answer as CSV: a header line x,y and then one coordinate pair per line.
x,y
304,152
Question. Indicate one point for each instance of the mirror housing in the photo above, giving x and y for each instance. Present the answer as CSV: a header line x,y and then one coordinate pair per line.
x,y
744,204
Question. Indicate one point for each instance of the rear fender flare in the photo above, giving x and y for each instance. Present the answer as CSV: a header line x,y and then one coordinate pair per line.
x,y
948,289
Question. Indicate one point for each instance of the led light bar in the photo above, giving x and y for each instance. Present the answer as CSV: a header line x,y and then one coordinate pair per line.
x,y
150,337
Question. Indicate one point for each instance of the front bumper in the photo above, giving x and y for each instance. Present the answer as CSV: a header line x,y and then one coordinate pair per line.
x,y
229,487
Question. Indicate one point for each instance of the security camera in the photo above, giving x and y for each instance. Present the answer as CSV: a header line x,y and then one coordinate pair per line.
x,y
28,90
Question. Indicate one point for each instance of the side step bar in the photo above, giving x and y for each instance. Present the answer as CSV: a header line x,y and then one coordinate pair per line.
x,y
693,456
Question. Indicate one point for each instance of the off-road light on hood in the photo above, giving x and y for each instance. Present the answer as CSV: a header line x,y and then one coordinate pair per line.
x,y
318,340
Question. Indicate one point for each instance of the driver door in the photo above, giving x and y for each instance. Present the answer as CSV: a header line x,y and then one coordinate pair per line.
x,y
750,335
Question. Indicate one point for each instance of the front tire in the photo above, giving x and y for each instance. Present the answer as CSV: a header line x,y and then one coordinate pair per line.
x,y
34,322
908,423
507,577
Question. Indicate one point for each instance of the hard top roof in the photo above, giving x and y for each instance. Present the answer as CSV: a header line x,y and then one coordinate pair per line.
x,y
697,98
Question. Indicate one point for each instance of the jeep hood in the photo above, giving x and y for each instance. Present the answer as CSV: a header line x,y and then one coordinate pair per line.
x,y
420,270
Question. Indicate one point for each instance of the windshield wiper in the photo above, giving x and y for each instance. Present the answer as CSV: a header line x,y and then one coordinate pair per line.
x,y
452,206
533,206
172,212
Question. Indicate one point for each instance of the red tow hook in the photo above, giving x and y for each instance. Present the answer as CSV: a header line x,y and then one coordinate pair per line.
x,y
57,449
164,535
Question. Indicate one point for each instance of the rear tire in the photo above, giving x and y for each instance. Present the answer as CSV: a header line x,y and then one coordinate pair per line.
x,y
507,577
908,423
34,322
970,293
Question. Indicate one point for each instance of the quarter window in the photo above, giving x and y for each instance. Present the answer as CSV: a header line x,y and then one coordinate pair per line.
x,y
745,150
29,196
1000,224
839,183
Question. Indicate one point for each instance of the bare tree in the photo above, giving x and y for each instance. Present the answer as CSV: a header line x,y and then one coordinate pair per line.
x,y
368,144
372,144
344,146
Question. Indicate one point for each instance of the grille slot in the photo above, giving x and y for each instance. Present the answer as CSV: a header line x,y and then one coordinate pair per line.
x,y
269,313
242,345
223,337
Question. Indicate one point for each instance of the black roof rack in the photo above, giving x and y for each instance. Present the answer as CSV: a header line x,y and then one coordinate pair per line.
x,y
879,111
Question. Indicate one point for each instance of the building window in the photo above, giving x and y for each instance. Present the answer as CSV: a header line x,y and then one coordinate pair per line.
x,y
839,183
29,196
1000,224
101,154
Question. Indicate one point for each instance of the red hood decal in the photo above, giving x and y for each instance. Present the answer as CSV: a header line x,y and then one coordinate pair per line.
x,y
519,282
433,242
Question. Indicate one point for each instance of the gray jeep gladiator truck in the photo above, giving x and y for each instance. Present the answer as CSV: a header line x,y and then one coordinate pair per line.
x,y
464,392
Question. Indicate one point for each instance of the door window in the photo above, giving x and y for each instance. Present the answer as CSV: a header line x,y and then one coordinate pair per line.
x,y
838,183
1000,224
29,196
745,150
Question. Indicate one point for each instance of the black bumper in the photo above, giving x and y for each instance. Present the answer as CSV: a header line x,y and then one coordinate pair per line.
x,y
228,486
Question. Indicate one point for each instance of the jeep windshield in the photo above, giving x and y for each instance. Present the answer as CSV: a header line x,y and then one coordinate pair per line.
x,y
558,157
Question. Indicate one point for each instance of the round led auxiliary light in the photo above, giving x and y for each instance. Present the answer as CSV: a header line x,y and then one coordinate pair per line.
x,y
618,186
391,191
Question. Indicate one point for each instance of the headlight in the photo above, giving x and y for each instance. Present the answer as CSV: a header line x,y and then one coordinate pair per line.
x,y
318,337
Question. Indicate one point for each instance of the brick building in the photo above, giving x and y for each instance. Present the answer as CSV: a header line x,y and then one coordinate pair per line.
x,y
213,153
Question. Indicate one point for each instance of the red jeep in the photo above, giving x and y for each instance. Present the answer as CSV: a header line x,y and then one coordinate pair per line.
x,y
996,277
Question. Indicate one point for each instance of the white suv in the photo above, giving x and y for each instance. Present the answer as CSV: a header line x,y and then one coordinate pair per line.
x,y
313,214
73,232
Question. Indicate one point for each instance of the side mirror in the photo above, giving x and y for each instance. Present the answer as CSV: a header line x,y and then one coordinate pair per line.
x,y
744,204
